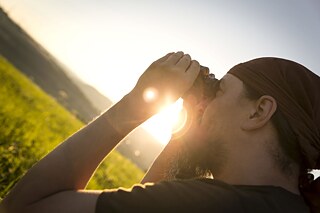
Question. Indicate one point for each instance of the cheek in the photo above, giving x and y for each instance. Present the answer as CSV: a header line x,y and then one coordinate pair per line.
x,y
211,122
220,118
213,113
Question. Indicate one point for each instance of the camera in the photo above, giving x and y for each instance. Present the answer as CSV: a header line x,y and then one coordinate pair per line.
x,y
204,87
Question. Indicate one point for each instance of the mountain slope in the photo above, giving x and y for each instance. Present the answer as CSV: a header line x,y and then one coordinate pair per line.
x,y
75,95
99,101
35,62
33,123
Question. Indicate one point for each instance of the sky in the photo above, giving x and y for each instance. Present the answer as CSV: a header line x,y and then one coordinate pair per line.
x,y
109,44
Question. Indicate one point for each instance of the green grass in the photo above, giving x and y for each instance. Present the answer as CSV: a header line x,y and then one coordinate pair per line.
x,y
33,123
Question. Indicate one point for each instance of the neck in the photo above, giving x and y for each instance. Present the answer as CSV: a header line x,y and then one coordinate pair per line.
x,y
256,168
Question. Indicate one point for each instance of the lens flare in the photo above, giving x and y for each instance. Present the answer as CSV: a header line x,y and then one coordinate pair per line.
x,y
170,120
150,94
179,121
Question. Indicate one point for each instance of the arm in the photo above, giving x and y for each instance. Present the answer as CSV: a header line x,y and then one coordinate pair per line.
x,y
158,170
56,183
163,163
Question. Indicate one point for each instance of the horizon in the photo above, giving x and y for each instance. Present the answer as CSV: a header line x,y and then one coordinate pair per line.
x,y
121,39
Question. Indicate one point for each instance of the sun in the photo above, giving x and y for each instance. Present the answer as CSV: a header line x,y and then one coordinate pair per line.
x,y
169,120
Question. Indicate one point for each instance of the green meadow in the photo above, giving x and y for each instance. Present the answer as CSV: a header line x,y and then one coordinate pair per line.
x,y
32,123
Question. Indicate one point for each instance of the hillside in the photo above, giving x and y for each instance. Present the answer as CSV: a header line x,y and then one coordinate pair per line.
x,y
54,78
36,63
33,123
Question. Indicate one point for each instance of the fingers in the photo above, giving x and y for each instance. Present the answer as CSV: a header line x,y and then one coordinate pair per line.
x,y
171,58
164,58
175,57
184,61
193,69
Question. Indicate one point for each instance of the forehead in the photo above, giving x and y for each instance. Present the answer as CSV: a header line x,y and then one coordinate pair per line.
x,y
230,80
232,87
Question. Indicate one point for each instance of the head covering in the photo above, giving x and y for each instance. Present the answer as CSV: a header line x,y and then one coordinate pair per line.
x,y
297,92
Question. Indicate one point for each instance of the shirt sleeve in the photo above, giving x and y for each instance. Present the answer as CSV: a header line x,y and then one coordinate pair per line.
x,y
168,196
199,196
140,198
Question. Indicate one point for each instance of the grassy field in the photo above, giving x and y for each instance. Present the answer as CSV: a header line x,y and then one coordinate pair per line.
x,y
33,123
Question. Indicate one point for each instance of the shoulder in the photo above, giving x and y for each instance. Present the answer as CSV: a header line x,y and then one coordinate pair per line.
x,y
170,196
199,195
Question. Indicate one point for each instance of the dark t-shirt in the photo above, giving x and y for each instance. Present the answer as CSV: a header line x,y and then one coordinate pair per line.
x,y
200,195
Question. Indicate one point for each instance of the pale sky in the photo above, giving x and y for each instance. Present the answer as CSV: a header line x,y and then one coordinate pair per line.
x,y
97,38
110,43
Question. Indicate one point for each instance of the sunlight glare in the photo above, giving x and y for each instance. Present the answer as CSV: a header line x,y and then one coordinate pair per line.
x,y
150,94
167,121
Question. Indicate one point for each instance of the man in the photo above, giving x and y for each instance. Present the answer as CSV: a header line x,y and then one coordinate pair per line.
x,y
238,140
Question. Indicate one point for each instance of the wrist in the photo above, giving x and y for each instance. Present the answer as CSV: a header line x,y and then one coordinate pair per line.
x,y
145,102
128,113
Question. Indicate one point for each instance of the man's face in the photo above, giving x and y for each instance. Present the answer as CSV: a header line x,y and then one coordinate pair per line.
x,y
223,115
220,128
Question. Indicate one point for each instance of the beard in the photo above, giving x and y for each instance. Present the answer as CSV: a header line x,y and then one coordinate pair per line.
x,y
198,159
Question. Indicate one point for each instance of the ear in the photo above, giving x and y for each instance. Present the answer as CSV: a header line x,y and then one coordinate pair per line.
x,y
261,113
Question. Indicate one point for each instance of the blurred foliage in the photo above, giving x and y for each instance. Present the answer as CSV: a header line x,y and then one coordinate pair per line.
x,y
33,123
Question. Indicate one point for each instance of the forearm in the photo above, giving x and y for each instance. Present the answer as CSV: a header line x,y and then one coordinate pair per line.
x,y
166,160
72,163
162,164
69,167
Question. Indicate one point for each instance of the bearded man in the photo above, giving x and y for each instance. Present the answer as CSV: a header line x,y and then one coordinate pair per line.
x,y
247,150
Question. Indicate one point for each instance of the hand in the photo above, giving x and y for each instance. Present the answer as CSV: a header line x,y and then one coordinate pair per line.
x,y
168,79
